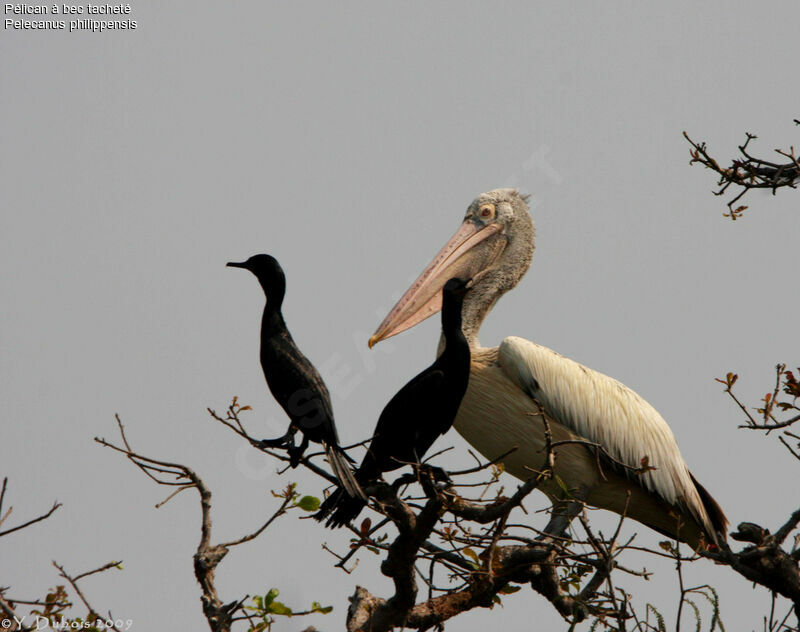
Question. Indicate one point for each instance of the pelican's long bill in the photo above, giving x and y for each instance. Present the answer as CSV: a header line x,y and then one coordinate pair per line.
x,y
467,253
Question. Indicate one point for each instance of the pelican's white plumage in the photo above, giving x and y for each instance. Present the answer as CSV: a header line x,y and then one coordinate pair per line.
x,y
513,386
605,411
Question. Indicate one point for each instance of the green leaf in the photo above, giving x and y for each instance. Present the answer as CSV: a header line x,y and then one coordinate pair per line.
x,y
696,614
474,556
308,503
270,596
316,607
662,626
276,607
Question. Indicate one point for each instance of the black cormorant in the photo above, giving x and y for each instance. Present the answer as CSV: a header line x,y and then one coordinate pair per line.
x,y
293,380
417,415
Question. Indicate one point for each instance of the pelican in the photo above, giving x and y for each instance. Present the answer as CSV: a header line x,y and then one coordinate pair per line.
x,y
515,387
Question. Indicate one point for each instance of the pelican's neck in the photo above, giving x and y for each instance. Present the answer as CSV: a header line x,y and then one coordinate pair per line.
x,y
511,266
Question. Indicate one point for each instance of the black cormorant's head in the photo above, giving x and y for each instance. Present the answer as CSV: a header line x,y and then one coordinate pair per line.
x,y
457,287
269,273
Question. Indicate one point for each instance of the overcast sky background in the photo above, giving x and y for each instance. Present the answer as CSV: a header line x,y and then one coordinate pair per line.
x,y
347,141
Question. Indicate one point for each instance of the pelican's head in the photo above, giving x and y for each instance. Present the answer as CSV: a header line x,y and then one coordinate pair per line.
x,y
493,247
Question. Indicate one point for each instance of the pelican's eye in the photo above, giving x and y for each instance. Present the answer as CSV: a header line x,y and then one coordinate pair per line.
x,y
486,211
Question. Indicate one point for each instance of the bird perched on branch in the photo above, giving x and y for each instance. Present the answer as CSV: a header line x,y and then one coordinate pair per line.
x,y
293,380
417,415
620,453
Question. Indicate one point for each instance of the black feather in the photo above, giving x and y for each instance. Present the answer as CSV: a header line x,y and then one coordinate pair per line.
x,y
294,382
416,416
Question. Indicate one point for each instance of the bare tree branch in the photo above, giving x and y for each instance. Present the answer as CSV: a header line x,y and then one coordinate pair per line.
x,y
24,525
219,614
747,172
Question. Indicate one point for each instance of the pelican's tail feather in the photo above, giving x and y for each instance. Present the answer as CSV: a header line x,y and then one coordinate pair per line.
x,y
719,522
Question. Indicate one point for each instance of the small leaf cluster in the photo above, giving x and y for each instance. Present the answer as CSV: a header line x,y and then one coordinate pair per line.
x,y
290,493
266,607
365,538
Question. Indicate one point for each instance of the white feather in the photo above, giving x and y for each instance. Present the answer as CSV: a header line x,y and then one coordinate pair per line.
x,y
603,410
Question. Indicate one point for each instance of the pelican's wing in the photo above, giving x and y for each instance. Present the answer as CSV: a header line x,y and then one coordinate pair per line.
x,y
606,412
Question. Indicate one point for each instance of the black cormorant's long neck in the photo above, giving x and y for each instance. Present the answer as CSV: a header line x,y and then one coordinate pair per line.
x,y
272,320
455,343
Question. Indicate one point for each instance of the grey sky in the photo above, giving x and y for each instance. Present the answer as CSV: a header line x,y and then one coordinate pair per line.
x,y
347,141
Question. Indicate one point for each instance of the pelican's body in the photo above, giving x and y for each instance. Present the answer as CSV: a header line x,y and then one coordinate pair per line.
x,y
513,388
499,413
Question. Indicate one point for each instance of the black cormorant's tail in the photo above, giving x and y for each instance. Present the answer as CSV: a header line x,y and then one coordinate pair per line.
x,y
341,469
340,509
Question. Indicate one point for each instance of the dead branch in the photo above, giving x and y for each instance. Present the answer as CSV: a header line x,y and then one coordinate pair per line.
x,y
747,172
220,615
93,616
765,561
24,525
